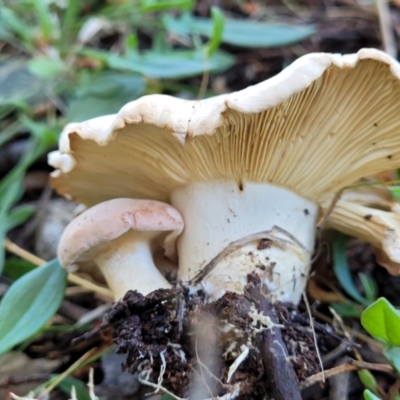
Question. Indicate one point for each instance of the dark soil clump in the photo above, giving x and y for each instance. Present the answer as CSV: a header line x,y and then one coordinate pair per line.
x,y
240,346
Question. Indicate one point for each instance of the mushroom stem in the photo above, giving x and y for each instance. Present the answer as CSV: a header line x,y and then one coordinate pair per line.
x,y
220,212
127,264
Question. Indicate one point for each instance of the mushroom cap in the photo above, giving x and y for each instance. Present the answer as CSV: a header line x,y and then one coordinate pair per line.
x,y
377,195
322,123
383,259
380,228
372,214
110,220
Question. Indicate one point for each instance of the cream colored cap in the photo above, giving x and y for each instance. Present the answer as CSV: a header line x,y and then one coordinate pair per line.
x,y
88,233
322,123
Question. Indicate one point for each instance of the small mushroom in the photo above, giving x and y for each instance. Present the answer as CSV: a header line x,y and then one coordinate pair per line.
x,y
118,236
261,159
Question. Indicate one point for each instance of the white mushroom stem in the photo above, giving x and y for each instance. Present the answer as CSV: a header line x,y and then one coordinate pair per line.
x,y
127,264
220,212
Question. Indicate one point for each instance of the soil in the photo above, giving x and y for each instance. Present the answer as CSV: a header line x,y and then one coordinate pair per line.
x,y
165,333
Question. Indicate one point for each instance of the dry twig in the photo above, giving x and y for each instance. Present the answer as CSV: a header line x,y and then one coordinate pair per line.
x,y
386,28
72,368
361,336
77,280
350,365
314,335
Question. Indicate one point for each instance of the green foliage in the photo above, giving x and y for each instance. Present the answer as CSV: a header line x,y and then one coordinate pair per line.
x,y
43,14
378,317
29,303
166,397
81,391
104,93
368,395
45,67
169,64
242,33
393,355
15,267
395,191
369,287
218,25
368,380
342,272
15,27
348,309
18,215
382,321
68,22
11,186
19,88
9,132
163,5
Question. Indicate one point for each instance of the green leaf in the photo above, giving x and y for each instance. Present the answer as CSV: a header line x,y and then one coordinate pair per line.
x,y
104,93
132,43
171,64
368,395
11,186
81,391
18,85
393,355
368,380
19,215
11,189
45,67
242,33
342,270
15,267
44,17
30,302
348,310
395,191
5,34
369,286
382,321
218,23
162,5
44,136
9,132
13,23
70,17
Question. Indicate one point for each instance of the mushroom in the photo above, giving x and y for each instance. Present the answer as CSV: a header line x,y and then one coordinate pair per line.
x,y
118,236
372,214
259,160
